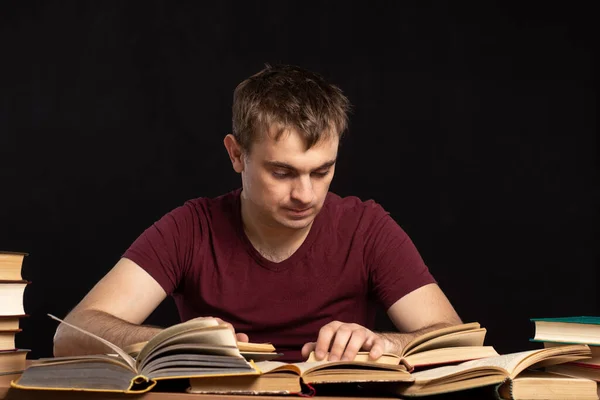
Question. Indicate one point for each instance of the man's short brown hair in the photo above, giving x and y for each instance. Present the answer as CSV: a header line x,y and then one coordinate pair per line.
x,y
287,96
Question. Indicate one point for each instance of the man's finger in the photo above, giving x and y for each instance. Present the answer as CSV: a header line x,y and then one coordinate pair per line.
x,y
354,344
339,342
326,334
242,337
307,348
377,349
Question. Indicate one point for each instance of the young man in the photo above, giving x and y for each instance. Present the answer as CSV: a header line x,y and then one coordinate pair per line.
x,y
281,259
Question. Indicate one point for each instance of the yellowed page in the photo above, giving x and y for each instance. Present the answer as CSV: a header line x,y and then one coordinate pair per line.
x,y
301,368
363,356
509,364
134,349
218,335
451,354
274,366
255,347
544,385
439,332
474,337
193,324
306,367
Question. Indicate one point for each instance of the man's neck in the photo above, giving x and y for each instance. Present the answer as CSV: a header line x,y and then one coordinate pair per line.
x,y
274,243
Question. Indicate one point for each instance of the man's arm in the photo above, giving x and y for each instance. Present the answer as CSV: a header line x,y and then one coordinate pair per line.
x,y
113,310
422,310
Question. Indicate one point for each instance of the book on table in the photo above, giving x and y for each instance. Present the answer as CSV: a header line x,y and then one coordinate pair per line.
x,y
12,361
11,264
7,339
288,378
11,297
530,385
488,371
10,322
447,345
583,329
588,368
198,347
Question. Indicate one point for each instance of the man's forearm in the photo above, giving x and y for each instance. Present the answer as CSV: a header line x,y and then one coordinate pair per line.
x,y
398,341
70,342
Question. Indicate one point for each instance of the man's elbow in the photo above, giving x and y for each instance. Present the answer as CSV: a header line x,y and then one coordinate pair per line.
x,y
59,343
65,340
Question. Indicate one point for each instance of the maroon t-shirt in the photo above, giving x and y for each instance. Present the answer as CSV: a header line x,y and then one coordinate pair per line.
x,y
354,258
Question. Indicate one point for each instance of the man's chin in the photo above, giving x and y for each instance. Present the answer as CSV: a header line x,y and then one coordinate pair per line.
x,y
296,223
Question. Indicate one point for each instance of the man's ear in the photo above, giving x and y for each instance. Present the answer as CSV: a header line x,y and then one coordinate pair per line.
x,y
235,153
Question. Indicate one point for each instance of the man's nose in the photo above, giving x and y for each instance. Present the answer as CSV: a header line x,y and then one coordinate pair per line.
x,y
302,191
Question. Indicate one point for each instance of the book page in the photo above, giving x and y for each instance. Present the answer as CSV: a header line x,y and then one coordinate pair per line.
x,y
448,355
439,332
255,347
505,363
126,357
363,356
457,339
274,366
304,367
244,347
510,364
174,330
219,335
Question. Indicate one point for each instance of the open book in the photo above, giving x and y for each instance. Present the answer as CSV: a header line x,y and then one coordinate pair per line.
x,y
250,351
199,347
488,371
285,378
448,345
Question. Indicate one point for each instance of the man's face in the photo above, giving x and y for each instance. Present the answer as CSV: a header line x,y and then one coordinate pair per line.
x,y
285,184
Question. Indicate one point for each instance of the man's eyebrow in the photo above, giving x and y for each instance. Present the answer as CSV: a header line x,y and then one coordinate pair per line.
x,y
278,164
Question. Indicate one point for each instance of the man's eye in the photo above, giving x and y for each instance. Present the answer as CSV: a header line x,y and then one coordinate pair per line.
x,y
280,174
320,174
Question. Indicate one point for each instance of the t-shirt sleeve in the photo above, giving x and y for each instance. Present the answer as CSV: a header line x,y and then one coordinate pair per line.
x,y
395,265
164,250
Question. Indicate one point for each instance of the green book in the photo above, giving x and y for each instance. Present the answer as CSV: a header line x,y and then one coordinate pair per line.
x,y
572,320
579,329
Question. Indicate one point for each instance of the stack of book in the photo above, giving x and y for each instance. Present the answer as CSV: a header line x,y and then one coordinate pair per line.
x,y
553,332
12,288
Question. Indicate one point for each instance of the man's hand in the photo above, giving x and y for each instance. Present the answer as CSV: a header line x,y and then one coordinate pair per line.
x,y
344,341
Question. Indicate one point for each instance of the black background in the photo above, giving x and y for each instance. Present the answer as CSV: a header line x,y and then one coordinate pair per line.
x,y
474,125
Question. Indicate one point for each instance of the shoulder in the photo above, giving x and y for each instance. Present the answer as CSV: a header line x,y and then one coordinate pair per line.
x,y
209,206
352,215
353,207
200,213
